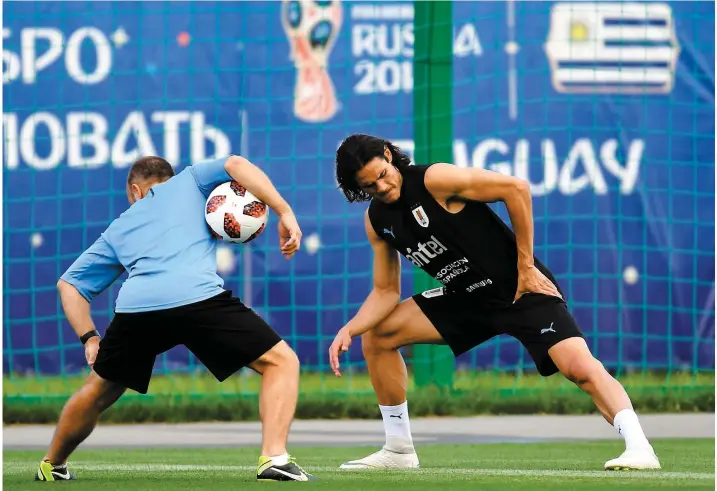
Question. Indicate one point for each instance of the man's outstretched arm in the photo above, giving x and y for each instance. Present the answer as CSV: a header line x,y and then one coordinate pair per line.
x,y
382,300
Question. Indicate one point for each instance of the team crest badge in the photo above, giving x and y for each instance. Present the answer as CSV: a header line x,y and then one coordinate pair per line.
x,y
420,216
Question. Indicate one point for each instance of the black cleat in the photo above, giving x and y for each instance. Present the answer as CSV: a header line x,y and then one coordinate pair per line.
x,y
49,472
267,471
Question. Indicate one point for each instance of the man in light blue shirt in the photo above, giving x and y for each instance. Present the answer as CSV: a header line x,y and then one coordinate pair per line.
x,y
173,295
162,241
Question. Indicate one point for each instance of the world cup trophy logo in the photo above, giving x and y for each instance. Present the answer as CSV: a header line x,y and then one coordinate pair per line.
x,y
312,27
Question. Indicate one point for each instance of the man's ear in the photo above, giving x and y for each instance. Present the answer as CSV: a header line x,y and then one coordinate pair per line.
x,y
387,154
136,192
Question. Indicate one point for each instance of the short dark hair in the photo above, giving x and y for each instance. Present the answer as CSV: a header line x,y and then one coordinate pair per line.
x,y
354,153
149,168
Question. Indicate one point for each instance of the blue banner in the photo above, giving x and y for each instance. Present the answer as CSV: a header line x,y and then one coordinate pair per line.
x,y
607,109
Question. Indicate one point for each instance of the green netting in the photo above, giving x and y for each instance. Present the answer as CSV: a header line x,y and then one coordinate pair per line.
x,y
622,165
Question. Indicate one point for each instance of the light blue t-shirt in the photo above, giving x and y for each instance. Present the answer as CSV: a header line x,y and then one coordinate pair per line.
x,y
164,243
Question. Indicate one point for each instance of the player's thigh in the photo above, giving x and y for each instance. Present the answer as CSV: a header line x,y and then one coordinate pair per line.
x,y
128,350
406,325
541,323
226,335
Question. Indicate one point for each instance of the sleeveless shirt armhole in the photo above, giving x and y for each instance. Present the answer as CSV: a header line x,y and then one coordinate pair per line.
x,y
372,218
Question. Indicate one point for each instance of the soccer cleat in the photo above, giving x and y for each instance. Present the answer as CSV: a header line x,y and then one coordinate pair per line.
x,y
49,472
267,471
641,459
384,459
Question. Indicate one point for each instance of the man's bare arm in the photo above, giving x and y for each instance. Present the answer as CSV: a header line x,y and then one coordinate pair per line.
x,y
77,309
386,292
446,182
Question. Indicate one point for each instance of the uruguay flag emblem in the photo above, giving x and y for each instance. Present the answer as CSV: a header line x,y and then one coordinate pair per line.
x,y
612,48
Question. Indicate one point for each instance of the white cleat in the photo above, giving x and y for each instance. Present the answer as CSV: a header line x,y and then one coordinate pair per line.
x,y
642,459
384,459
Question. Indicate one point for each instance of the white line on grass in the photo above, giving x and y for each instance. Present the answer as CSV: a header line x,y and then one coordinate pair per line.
x,y
22,467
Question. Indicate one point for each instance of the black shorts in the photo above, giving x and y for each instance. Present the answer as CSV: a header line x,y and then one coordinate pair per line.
x,y
538,321
221,331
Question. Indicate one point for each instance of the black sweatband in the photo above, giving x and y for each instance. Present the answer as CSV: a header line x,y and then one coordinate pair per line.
x,y
89,334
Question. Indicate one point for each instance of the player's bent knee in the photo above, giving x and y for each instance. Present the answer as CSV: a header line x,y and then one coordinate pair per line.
x,y
103,392
585,369
369,343
374,342
280,355
575,361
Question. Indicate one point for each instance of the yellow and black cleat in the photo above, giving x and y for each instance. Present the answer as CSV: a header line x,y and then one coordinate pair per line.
x,y
267,471
49,472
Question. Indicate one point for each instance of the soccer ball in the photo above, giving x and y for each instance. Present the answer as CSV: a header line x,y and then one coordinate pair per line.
x,y
234,214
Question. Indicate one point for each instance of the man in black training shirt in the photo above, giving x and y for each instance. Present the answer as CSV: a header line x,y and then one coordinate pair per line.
x,y
437,217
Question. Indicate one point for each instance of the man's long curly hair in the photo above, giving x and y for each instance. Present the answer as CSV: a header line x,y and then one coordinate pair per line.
x,y
354,153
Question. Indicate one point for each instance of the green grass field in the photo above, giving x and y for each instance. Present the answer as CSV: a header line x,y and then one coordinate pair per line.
x,y
687,464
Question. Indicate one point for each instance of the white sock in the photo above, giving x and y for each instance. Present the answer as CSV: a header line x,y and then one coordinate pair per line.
x,y
627,424
282,459
398,428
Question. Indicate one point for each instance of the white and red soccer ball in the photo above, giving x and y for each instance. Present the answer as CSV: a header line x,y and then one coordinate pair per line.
x,y
234,214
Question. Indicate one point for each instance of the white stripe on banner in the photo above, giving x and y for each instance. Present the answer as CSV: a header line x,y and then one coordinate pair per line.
x,y
569,51
623,75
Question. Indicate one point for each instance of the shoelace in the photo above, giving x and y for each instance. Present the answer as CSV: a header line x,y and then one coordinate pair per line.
x,y
292,460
